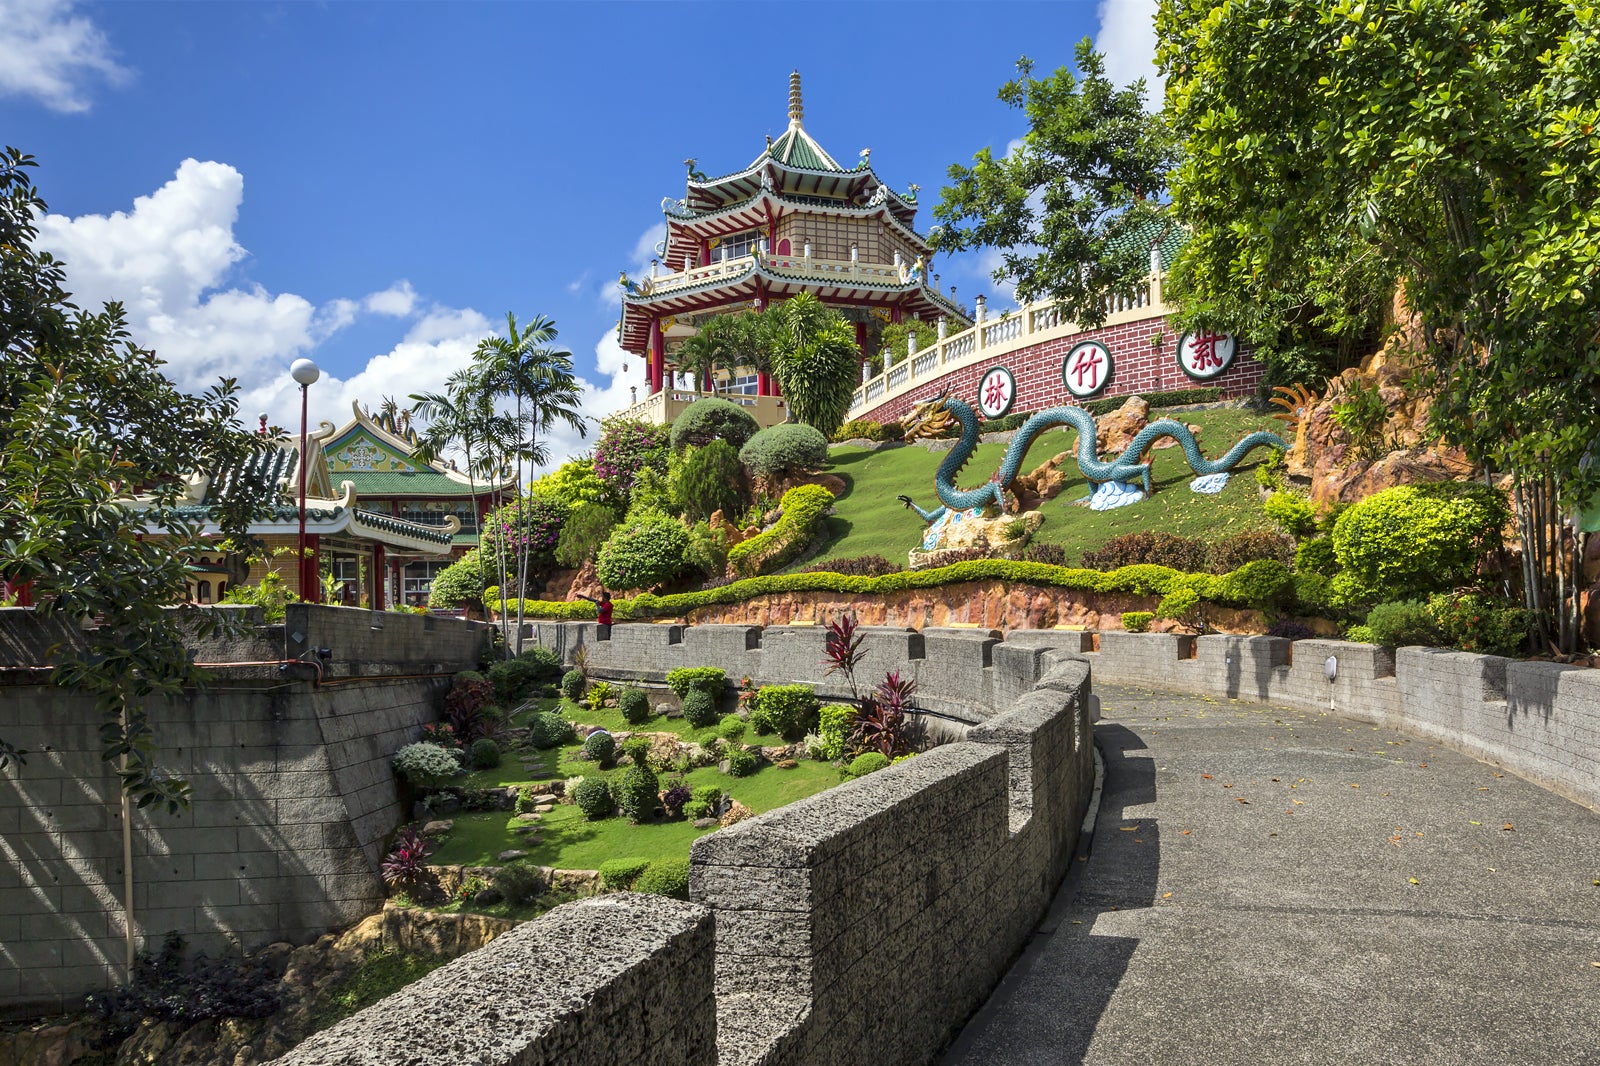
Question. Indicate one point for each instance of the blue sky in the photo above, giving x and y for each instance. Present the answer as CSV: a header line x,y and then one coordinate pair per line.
x,y
376,185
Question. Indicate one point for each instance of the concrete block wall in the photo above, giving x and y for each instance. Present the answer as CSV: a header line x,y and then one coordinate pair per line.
x,y
609,980
292,798
1539,720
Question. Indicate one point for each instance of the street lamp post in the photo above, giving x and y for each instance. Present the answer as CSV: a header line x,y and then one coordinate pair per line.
x,y
305,373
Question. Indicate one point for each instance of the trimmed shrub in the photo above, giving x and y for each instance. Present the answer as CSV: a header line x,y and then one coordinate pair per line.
x,y
515,680
1316,557
572,685
858,566
1311,592
1408,541
617,875
864,764
459,583
1137,621
634,705
637,749
787,448
708,794
1049,554
549,730
695,810
637,793
1293,512
518,882
1264,585
712,419
1148,549
426,766
665,877
732,728
583,533
684,679
600,746
867,429
803,507
647,550
1360,634
485,754
593,798
708,480
743,762
1252,545
790,710
835,722
699,708
1401,623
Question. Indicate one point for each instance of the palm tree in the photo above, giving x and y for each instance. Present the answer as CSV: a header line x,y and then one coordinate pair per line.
x,y
462,416
540,380
729,342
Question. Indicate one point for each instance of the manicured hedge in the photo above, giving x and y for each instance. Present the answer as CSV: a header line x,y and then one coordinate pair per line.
x,y
1142,580
803,507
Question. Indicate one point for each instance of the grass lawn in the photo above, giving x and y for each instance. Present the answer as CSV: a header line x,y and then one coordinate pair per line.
x,y
868,520
571,841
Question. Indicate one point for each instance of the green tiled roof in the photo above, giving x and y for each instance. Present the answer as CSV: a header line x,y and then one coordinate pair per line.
x,y
400,483
1172,240
796,149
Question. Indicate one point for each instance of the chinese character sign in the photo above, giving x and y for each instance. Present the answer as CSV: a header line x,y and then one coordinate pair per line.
x,y
1204,354
997,391
1087,368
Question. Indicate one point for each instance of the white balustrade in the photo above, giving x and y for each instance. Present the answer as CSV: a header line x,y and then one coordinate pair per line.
x,y
898,374
925,362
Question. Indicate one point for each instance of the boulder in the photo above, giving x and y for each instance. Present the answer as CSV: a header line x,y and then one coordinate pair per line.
x,y
1114,431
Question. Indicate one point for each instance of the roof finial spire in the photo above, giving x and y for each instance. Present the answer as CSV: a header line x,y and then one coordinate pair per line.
x,y
796,111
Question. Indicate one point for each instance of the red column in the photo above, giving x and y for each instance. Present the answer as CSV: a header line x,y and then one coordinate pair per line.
x,y
763,383
861,340
311,572
380,577
656,357
708,385
894,314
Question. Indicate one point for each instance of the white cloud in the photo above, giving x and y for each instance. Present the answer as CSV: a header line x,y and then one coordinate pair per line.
x,y
621,370
170,261
1128,38
53,55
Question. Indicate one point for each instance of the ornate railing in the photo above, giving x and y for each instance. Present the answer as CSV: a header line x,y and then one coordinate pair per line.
x,y
996,338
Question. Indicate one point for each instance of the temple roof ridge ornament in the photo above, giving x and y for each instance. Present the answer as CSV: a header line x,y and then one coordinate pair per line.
x,y
797,110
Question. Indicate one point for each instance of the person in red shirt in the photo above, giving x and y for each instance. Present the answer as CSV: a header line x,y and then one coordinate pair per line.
x,y
603,615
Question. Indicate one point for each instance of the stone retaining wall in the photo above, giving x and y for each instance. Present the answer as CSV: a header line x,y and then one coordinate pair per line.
x,y
293,797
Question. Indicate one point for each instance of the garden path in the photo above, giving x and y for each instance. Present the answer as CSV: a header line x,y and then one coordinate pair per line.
x,y
1275,886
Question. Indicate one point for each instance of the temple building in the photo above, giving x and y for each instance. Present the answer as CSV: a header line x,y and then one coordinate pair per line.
x,y
794,220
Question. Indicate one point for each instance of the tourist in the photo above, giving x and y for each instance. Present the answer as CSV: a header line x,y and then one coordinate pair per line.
x,y
603,615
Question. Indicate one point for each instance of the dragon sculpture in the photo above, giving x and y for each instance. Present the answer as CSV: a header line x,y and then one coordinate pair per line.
x,y
932,417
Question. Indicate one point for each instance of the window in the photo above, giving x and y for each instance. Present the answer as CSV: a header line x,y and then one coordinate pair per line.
x,y
736,245
205,592
744,385
437,513
417,579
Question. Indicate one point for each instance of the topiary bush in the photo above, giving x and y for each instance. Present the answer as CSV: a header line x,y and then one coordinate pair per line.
x,y
1403,623
485,754
634,705
637,749
600,746
593,797
1293,512
708,480
618,875
835,722
573,682
549,730
699,708
637,793
803,509
1264,585
743,762
1476,622
665,877
1405,542
790,710
710,420
864,764
1316,557
787,448
647,550
426,766
1137,621
732,728
684,679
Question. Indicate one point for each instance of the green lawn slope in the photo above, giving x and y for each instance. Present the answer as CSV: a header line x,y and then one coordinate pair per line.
x,y
868,520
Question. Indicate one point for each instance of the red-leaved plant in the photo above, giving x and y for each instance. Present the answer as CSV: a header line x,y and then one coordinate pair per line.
x,y
405,867
842,650
882,722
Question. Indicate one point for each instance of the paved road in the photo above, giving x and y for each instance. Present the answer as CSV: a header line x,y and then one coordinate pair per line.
x,y
1276,886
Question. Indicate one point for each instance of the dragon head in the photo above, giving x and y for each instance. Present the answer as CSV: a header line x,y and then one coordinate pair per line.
x,y
931,418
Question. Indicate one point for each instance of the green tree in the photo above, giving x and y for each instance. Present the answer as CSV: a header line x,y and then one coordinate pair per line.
x,y
816,361
707,480
1451,143
728,342
1075,209
541,384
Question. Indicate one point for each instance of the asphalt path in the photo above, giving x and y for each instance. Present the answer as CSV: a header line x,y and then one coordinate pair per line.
x,y
1274,886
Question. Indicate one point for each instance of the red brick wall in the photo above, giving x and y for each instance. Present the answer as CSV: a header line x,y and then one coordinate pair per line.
x,y
1136,368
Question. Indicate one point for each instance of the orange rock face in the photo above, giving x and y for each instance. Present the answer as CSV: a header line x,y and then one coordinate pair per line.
x,y
1114,431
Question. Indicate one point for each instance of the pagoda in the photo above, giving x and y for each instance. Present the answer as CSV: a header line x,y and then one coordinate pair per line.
x,y
792,221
